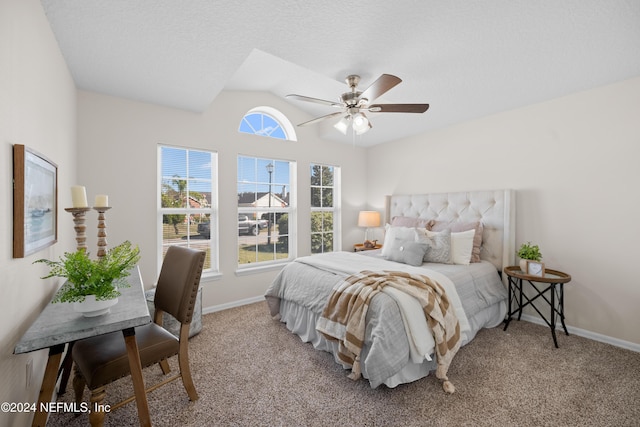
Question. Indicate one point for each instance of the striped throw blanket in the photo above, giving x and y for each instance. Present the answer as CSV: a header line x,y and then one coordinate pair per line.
x,y
343,318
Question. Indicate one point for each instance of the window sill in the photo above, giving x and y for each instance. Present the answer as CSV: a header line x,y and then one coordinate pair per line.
x,y
260,269
210,277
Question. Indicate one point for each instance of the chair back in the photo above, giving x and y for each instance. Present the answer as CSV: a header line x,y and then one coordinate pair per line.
x,y
178,282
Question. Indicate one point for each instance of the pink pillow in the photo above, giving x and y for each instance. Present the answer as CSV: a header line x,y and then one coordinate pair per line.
x,y
457,227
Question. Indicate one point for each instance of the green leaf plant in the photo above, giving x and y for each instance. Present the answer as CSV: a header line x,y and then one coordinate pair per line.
x,y
530,252
85,276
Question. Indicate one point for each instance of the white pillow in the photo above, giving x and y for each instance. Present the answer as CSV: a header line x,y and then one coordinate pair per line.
x,y
393,233
462,247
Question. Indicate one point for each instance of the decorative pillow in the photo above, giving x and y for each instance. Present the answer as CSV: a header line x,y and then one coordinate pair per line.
x,y
462,246
439,246
406,221
392,233
408,251
462,226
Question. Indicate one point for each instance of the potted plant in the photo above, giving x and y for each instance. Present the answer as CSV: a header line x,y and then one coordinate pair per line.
x,y
530,252
93,280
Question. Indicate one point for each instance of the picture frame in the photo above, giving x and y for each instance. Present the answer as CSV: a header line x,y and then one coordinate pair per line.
x,y
535,268
35,201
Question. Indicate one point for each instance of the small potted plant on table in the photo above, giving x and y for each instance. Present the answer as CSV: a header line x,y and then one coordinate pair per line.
x,y
528,252
92,284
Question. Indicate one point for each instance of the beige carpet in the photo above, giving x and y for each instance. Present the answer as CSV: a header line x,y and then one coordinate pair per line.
x,y
250,371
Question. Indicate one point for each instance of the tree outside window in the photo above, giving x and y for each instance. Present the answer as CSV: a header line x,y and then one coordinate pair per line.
x,y
323,208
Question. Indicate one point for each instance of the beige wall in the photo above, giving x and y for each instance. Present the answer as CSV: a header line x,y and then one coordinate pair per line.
x,y
118,140
574,164
37,109
572,160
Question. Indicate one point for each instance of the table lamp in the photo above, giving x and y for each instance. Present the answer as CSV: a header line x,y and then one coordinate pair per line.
x,y
368,219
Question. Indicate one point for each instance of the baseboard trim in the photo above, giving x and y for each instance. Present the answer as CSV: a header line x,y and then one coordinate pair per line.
x,y
232,304
587,334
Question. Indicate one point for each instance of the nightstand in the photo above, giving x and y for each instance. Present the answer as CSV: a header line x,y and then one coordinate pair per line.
x,y
552,281
360,247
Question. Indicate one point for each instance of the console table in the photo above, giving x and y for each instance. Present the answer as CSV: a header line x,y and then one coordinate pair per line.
x,y
59,324
552,281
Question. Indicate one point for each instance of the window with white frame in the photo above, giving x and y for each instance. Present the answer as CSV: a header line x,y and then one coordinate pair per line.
x,y
266,211
269,122
325,208
188,202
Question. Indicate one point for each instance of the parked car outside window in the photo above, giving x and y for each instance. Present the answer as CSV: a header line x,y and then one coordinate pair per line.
x,y
245,226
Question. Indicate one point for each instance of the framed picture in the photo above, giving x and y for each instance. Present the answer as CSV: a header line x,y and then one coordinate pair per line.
x,y
535,268
35,201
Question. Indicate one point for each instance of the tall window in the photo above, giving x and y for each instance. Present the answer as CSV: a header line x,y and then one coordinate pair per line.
x,y
187,214
325,199
266,211
269,122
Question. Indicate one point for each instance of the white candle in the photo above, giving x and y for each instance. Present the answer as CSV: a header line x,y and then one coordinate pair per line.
x,y
102,201
78,196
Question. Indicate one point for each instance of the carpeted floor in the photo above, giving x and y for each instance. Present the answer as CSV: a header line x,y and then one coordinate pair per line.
x,y
250,371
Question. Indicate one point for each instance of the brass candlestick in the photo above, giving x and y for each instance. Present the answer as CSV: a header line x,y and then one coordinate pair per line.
x,y
102,233
79,227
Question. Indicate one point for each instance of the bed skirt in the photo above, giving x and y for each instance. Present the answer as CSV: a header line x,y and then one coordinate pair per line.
x,y
302,322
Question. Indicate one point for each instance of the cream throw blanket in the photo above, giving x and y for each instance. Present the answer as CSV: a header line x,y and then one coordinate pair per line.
x,y
344,317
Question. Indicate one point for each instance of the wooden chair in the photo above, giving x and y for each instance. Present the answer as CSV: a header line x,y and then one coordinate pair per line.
x,y
103,359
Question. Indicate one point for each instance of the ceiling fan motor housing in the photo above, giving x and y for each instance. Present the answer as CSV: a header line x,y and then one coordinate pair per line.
x,y
352,99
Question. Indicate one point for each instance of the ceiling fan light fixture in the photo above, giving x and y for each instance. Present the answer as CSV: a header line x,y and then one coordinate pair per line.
x,y
342,125
360,123
366,129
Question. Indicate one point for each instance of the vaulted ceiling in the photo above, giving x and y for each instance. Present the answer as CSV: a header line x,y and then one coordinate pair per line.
x,y
467,59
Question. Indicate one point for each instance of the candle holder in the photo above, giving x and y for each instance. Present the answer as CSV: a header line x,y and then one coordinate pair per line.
x,y
102,233
79,227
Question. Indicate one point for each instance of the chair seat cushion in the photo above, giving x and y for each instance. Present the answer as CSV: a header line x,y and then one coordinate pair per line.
x,y
103,359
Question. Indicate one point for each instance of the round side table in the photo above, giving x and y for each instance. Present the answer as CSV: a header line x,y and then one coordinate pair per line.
x,y
552,281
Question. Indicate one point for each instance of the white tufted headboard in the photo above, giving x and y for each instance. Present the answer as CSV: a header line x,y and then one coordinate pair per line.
x,y
496,210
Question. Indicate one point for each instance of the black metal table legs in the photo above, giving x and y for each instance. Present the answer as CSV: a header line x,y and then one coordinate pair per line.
x,y
555,301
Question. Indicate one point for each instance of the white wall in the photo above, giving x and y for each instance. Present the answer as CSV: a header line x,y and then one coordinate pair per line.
x,y
572,160
117,143
574,164
37,109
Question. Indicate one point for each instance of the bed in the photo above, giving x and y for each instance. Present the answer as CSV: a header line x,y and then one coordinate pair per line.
x,y
299,294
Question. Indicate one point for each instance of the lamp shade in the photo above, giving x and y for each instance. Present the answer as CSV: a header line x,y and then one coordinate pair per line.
x,y
369,219
342,125
360,123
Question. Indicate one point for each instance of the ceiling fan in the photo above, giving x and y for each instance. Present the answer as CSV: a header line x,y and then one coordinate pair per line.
x,y
354,104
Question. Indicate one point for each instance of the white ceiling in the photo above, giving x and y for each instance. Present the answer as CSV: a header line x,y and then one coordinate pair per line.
x,y
467,59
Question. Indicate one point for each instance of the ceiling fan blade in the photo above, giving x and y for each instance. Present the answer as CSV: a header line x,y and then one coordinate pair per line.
x,y
319,119
398,108
316,100
384,83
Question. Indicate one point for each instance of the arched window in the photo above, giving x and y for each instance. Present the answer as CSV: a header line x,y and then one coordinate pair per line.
x,y
267,121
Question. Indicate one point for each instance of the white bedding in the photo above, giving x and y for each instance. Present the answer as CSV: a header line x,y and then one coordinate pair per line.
x,y
348,263
299,293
